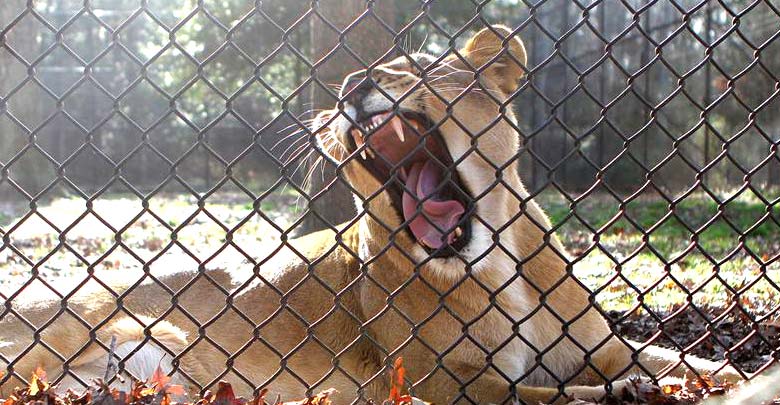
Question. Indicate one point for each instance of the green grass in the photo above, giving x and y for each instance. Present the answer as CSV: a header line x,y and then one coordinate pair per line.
x,y
670,227
713,253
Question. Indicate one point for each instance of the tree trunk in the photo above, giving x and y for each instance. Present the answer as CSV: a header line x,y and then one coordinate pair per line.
x,y
369,40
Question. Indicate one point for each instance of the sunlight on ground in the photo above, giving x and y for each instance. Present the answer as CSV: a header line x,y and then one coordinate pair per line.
x,y
621,268
146,238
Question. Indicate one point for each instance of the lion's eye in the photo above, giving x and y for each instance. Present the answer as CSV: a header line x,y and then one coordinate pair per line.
x,y
422,64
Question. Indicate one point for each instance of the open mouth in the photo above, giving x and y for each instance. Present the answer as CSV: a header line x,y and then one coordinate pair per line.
x,y
406,154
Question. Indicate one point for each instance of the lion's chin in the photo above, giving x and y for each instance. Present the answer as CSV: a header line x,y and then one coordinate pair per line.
x,y
406,153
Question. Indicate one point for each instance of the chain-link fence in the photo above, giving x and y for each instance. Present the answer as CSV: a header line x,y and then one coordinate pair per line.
x,y
159,162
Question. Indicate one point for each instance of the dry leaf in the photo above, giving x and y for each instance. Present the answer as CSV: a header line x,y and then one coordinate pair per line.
x,y
671,389
38,383
397,382
159,383
320,399
225,395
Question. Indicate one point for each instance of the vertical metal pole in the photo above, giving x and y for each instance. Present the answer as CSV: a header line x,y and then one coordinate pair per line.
x,y
707,80
206,165
603,78
565,86
92,136
646,90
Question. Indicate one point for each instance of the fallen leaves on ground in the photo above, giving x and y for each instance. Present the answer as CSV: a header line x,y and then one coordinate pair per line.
x,y
156,391
704,390
397,384
729,332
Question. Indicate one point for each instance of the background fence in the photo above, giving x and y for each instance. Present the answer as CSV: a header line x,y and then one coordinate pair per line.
x,y
663,114
112,75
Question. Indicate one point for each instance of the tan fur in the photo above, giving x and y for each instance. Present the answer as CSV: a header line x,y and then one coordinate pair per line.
x,y
336,308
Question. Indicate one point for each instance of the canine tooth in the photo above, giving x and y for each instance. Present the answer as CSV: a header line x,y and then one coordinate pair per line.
x,y
426,244
398,128
358,137
359,142
458,232
370,153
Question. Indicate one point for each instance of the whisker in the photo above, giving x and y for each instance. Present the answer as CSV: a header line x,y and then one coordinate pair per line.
x,y
439,67
292,175
322,165
304,127
453,87
329,141
422,45
306,185
309,111
446,75
299,148
307,180
301,164
286,138
295,156
328,136
301,123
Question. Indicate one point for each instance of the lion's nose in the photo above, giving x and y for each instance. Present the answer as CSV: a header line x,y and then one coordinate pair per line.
x,y
355,87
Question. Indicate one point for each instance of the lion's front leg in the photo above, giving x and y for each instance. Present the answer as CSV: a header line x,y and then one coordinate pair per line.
x,y
662,362
616,360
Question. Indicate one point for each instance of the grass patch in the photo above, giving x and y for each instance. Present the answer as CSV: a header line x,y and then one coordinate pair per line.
x,y
649,252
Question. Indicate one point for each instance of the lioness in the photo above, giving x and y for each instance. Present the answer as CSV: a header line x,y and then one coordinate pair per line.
x,y
449,264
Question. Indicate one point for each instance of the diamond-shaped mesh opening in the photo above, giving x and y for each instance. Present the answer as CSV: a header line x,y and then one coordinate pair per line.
x,y
160,73
88,94
30,116
60,138
27,24
59,71
163,168
145,169
201,103
200,34
116,137
228,81
143,104
87,37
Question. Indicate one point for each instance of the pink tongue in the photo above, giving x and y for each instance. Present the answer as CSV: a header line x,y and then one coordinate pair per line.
x,y
436,216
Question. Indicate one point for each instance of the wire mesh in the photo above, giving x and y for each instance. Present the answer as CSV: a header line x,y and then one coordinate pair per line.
x,y
646,131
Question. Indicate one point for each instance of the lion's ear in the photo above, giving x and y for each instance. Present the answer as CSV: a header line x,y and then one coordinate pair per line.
x,y
499,55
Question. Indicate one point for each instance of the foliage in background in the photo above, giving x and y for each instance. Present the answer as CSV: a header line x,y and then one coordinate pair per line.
x,y
214,86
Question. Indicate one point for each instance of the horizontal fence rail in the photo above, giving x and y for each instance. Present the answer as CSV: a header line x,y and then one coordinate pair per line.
x,y
161,163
